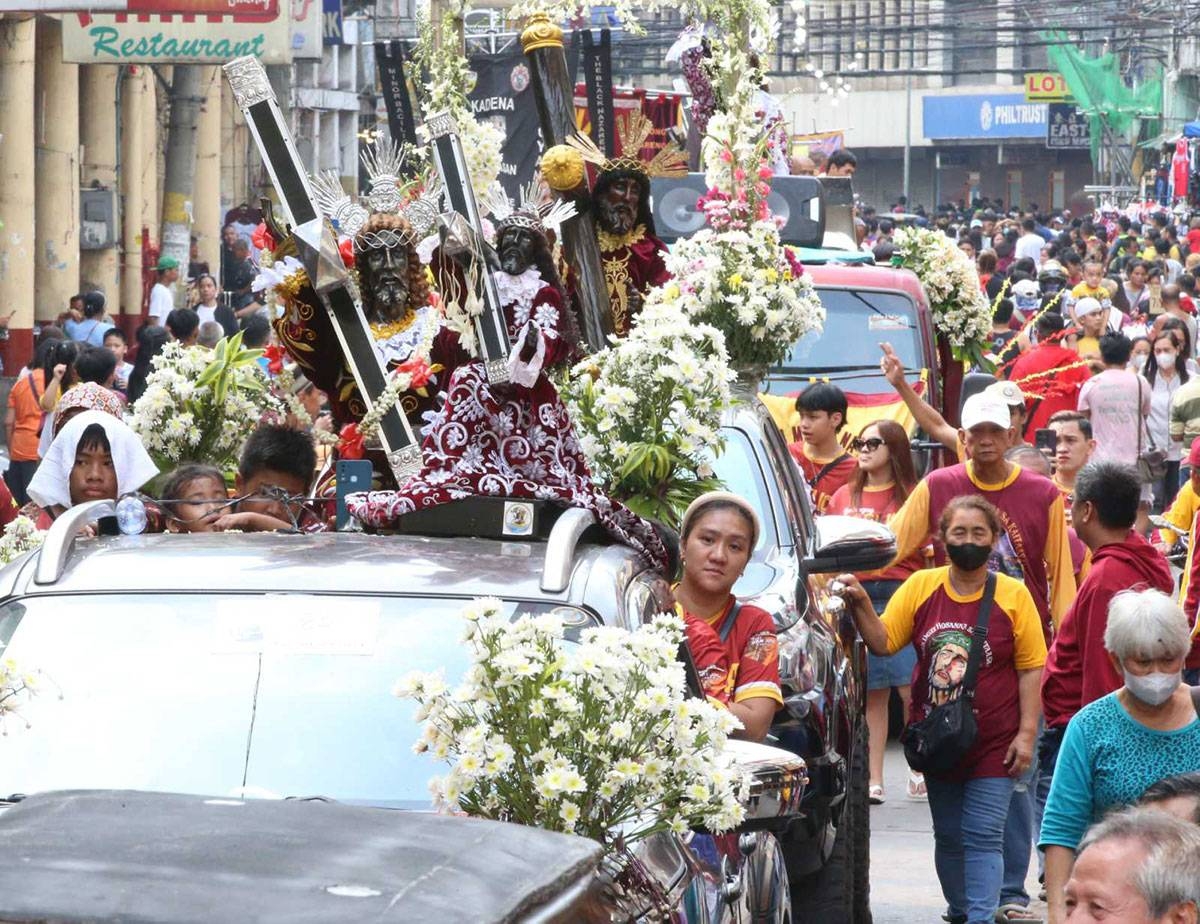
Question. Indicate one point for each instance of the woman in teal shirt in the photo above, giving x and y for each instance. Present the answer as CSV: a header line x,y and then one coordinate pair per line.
x,y
1119,745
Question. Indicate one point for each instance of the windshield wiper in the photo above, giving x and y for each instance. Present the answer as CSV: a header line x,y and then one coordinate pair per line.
x,y
813,370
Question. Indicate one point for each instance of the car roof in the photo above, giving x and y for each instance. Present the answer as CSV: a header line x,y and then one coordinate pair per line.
x,y
343,562
863,276
138,856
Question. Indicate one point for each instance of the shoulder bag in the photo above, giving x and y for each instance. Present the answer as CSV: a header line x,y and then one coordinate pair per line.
x,y
1151,461
942,739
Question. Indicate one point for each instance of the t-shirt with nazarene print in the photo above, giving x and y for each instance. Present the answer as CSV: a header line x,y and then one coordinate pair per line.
x,y
928,612
1034,547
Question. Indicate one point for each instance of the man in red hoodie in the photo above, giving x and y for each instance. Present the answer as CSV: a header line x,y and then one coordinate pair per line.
x,y
1078,670
1050,375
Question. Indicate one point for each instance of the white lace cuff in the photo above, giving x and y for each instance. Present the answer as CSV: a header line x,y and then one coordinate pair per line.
x,y
526,373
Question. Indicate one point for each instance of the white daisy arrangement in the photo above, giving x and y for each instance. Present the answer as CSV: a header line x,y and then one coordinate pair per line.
x,y
597,738
200,405
647,410
961,312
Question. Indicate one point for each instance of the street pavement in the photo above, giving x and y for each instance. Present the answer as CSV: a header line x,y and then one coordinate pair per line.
x,y
904,884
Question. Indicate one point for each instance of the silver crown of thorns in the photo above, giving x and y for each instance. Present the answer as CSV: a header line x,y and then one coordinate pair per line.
x,y
384,163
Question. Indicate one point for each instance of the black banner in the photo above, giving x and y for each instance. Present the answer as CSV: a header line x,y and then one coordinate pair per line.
x,y
390,58
1067,128
503,94
597,75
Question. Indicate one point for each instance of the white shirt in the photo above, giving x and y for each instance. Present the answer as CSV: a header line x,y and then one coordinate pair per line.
x,y
162,302
1029,245
206,313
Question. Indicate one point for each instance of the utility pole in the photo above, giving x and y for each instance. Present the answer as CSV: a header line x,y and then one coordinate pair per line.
x,y
907,134
180,174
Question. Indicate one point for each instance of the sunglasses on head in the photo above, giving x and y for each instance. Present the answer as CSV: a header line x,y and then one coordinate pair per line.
x,y
867,445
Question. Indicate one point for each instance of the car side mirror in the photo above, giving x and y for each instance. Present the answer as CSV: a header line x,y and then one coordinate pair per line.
x,y
849,544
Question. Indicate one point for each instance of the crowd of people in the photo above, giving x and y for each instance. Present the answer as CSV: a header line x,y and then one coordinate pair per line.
x,y
1036,544
66,424
1090,427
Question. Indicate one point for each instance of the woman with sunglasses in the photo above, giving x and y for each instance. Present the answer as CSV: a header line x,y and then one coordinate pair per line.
x,y
876,490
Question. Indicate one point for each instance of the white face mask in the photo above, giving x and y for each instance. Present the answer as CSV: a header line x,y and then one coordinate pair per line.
x,y
1164,360
1154,688
1139,361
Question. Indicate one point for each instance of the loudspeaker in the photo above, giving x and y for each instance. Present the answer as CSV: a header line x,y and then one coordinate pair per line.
x,y
839,213
798,200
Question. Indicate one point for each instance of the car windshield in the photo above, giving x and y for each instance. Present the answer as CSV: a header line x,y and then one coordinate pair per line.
x,y
738,471
856,321
267,695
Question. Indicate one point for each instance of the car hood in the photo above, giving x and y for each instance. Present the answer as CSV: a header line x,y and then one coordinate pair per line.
x,y
135,856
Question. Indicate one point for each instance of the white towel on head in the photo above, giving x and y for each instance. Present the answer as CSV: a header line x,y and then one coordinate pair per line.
x,y
51,483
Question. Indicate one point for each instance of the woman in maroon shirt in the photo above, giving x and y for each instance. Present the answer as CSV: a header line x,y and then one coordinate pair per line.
x,y
719,533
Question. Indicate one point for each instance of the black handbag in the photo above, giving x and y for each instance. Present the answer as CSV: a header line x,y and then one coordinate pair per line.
x,y
942,739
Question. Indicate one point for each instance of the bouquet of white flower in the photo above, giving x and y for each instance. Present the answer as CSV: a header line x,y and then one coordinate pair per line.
x,y
647,410
596,739
736,274
961,312
20,536
200,405
744,283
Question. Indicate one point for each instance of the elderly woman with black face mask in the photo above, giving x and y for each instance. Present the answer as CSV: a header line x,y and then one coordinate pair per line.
x,y
937,610
1117,746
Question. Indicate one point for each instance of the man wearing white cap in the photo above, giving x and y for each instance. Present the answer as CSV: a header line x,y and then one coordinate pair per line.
x,y
1092,319
1012,396
1035,547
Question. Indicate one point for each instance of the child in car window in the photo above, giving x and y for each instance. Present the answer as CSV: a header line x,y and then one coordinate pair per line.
x,y
275,470
94,457
193,498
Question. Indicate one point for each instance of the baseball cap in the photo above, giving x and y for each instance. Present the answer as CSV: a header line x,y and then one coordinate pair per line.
x,y
1087,305
1193,458
985,409
976,223
1027,288
167,263
1008,392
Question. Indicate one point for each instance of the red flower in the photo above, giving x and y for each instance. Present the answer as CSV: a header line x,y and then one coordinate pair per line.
x,y
275,355
262,238
346,248
418,369
352,444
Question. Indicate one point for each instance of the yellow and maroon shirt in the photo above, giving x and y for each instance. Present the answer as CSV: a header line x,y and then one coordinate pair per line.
x,y
750,667
927,611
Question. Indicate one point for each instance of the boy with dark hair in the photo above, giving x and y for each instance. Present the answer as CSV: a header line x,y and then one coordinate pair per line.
x,y
825,463
96,364
184,325
275,460
117,344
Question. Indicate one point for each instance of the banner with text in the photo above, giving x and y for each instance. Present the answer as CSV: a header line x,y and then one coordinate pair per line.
x,y
1067,128
502,95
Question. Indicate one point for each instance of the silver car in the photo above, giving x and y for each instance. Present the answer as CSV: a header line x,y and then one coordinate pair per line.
x,y
247,666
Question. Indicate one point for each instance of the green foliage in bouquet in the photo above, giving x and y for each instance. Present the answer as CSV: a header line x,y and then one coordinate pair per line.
x,y
647,410
199,406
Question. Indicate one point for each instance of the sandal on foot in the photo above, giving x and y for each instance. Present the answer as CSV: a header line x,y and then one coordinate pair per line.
x,y
1006,914
916,786
875,794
